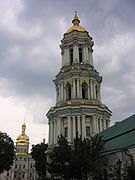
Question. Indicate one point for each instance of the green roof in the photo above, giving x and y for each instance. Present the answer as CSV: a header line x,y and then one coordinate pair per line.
x,y
120,136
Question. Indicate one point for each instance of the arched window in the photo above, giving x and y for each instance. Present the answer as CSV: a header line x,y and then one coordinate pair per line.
x,y
68,91
71,55
80,54
65,132
88,131
84,90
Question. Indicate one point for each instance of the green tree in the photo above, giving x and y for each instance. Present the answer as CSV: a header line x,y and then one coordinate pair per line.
x,y
87,159
7,152
60,159
130,173
78,161
97,162
38,153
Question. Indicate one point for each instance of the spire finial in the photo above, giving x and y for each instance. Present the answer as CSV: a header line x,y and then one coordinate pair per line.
x,y
23,127
75,12
76,20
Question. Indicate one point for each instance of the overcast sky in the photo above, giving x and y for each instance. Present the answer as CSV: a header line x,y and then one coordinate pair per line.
x,y
30,57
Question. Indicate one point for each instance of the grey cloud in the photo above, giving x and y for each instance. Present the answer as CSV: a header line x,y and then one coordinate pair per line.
x,y
30,54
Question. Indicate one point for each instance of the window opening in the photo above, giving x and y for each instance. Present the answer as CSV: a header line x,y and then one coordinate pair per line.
x,y
84,90
65,131
71,56
88,131
80,54
68,91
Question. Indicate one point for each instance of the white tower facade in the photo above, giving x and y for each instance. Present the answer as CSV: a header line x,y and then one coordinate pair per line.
x,y
78,106
23,167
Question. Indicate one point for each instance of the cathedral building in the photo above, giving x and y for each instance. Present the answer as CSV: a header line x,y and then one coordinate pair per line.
x,y
23,167
78,108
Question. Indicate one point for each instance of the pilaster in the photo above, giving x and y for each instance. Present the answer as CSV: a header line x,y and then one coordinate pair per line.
x,y
75,53
74,90
79,127
54,132
78,88
83,127
58,126
104,124
69,128
94,125
51,134
101,129
91,89
74,127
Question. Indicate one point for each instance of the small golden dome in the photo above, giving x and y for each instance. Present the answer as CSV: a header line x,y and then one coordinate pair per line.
x,y
23,139
76,26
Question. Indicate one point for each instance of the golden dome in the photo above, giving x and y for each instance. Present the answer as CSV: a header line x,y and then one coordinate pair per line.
x,y
76,26
23,139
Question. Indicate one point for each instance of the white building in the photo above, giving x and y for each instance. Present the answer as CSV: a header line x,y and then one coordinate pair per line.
x,y
78,106
23,167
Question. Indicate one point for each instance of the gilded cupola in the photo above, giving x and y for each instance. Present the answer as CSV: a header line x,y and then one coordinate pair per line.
x,y
23,139
76,26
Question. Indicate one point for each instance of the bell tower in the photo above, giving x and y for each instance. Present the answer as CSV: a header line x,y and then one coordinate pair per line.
x,y
78,106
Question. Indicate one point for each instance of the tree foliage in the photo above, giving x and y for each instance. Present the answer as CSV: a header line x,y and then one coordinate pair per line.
x,y
78,161
130,173
39,155
7,152
60,159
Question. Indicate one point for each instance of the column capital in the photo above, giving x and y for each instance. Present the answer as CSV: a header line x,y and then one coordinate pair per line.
x,y
83,115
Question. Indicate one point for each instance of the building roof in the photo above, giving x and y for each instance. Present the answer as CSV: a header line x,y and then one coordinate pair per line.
x,y
23,139
76,26
120,136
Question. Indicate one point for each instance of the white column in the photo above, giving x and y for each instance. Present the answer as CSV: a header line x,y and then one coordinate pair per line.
x,y
78,88
97,124
94,125
74,91
59,92
74,127
51,133
101,129
91,58
108,123
88,91
79,127
69,128
67,59
54,134
62,90
83,127
99,93
58,127
104,124
94,90
75,54
87,56
63,56
84,54
91,90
